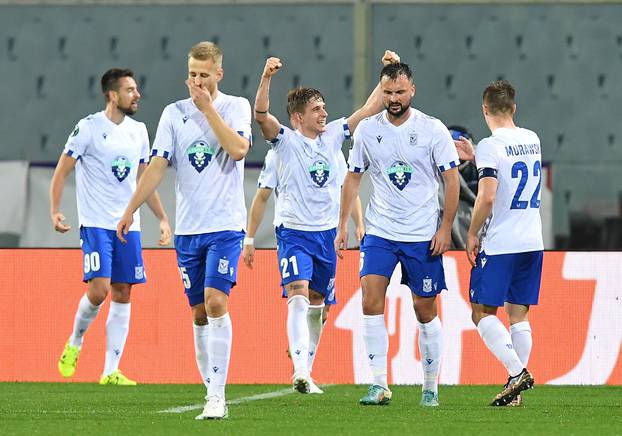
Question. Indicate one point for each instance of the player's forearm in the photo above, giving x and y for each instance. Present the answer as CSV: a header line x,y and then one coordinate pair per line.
x,y
56,191
349,191
234,144
255,216
481,211
262,99
452,196
372,106
148,182
357,213
155,204
57,185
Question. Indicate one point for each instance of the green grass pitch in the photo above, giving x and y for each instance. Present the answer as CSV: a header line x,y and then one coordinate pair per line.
x,y
81,408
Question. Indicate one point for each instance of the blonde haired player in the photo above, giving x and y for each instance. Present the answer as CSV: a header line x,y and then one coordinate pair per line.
x,y
205,138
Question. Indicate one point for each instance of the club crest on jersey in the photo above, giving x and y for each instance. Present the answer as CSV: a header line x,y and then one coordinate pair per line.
x,y
399,174
121,167
319,173
412,138
200,154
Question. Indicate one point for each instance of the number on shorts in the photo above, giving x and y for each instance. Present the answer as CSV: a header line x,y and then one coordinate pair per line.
x,y
91,262
293,262
185,278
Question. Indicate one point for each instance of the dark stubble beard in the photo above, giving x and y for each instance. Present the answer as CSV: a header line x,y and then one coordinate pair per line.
x,y
127,110
399,113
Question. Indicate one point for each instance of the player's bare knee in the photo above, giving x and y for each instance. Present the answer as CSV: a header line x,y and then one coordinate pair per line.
x,y
215,303
315,298
425,308
98,290
121,293
373,305
199,314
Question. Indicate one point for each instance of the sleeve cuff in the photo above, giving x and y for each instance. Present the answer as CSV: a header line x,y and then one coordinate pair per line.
x,y
161,153
449,166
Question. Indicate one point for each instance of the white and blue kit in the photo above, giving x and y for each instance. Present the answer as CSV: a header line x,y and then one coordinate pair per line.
x,y
211,212
309,188
509,265
405,163
108,156
269,178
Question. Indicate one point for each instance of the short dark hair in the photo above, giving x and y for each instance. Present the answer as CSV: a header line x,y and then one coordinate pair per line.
x,y
298,98
392,71
110,79
499,97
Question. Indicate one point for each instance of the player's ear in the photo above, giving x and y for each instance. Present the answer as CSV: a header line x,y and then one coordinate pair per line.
x,y
414,90
220,73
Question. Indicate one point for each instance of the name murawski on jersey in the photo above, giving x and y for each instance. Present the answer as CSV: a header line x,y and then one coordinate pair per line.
x,y
517,150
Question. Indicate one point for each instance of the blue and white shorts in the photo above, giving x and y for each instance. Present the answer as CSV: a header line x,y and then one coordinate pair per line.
x,y
311,256
208,260
423,273
513,278
106,256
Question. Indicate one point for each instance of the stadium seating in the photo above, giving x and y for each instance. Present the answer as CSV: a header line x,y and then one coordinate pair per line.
x,y
565,60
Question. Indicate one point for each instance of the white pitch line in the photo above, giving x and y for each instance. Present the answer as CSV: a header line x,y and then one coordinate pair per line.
x,y
257,397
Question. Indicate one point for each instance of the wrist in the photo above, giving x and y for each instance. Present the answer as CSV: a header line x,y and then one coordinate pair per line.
x,y
249,241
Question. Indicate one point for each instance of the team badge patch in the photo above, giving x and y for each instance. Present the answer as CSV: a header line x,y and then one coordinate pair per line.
x,y
399,174
121,167
223,266
427,284
75,132
139,272
200,154
319,173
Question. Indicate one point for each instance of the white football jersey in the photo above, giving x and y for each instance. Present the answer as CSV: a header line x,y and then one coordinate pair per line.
x,y
515,225
405,163
209,187
269,178
310,176
108,156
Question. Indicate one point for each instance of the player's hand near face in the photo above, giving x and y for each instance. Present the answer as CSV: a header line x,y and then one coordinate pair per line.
x,y
59,224
273,65
200,96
